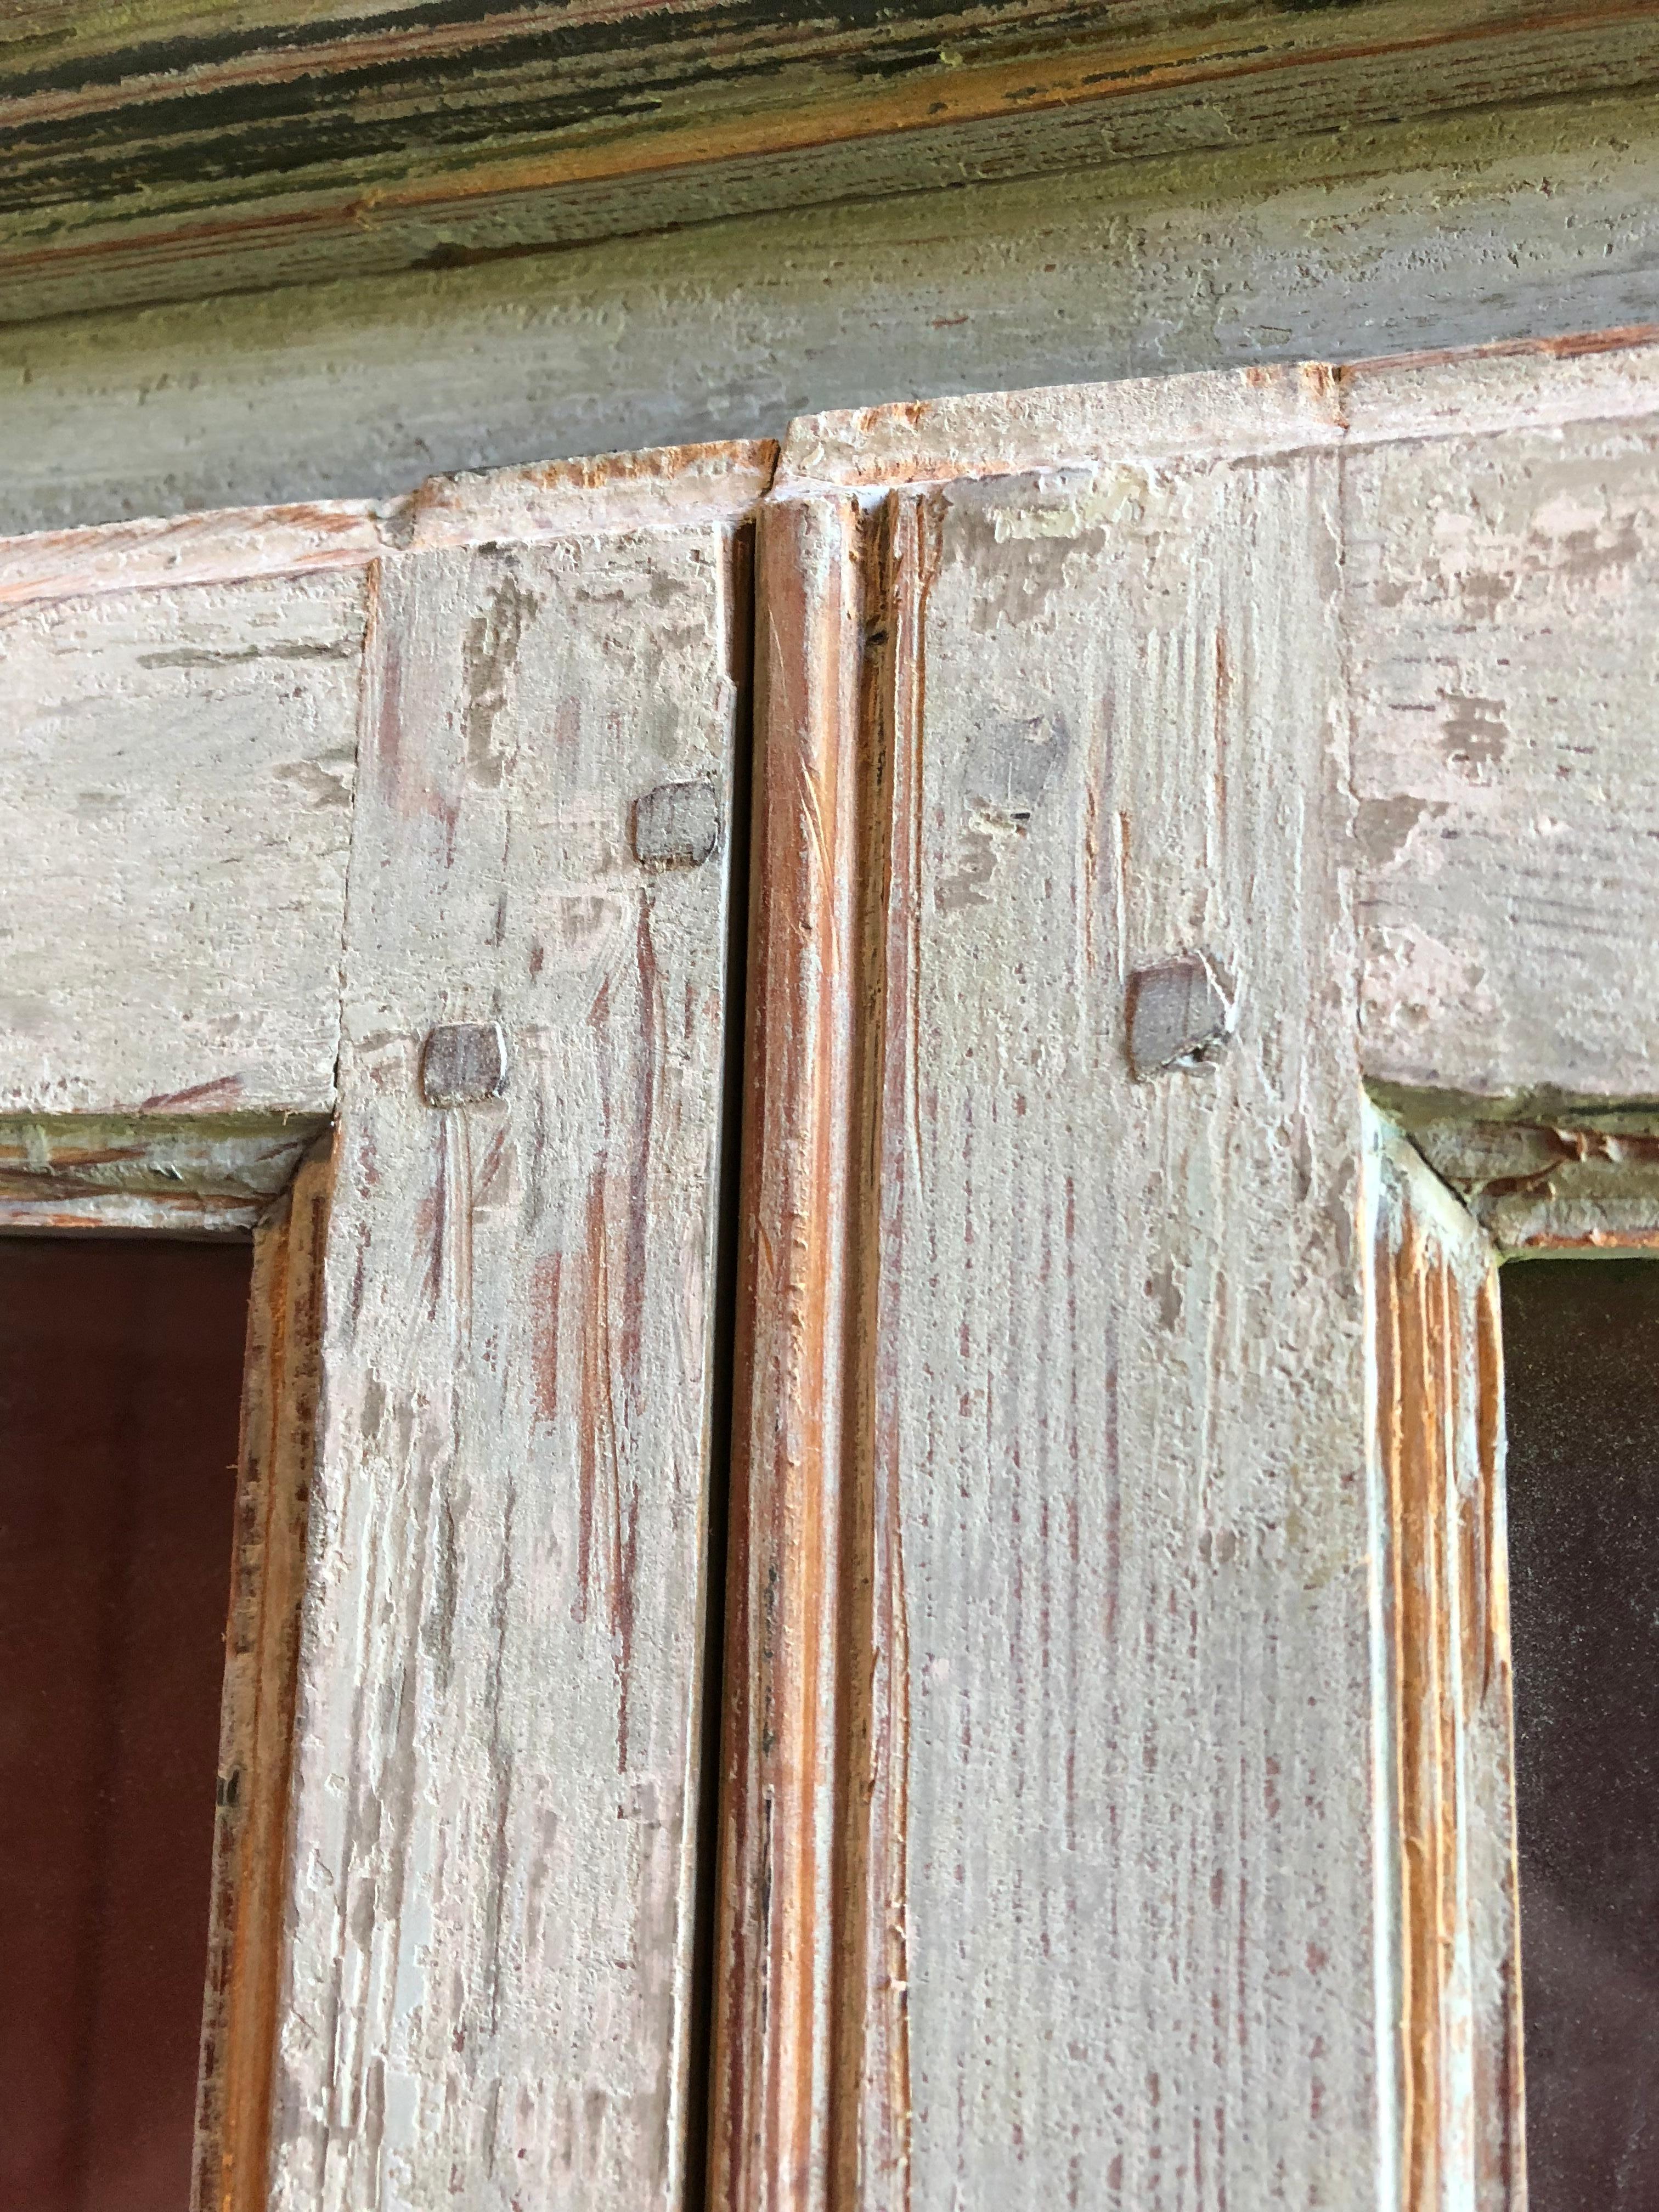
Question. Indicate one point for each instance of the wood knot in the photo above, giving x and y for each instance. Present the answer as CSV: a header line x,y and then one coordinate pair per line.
x,y
1181,1014
463,1062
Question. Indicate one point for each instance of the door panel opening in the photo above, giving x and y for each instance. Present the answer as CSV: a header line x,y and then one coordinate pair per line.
x,y
1581,1344
120,1381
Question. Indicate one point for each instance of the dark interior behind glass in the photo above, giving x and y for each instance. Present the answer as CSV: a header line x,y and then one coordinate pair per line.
x,y
121,1375
1581,1359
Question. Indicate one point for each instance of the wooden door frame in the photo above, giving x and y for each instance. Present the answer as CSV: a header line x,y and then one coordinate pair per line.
x,y
811,2084
205,1120
808,2076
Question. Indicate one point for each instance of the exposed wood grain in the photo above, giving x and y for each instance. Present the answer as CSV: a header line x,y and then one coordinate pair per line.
x,y
1065,426
262,1641
176,790
227,545
606,492
805,1988
1498,535
168,552
1114,1361
1132,1516
1455,1979
160,154
1505,658
1539,385
193,1173
1580,1182
1053,1493
1464,229
486,1989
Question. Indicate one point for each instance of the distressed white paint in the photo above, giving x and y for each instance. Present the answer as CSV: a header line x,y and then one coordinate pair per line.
x,y
180,720
487,1988
1580,1182
1120,1321
200,1173
175,808
1500,534
1120,1394
1448,1984
1120,1363
1350,242
1506,661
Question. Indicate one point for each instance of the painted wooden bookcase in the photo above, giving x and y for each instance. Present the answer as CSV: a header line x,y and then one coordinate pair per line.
x,y
877,1088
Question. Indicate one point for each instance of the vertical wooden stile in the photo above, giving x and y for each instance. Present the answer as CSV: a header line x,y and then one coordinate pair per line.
x,y
1449,1787
875,2173
1057,1409
806,1187
250,1859
489,1978
811,2069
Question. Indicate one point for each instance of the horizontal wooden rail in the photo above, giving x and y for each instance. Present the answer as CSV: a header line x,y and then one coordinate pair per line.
x,y
144,156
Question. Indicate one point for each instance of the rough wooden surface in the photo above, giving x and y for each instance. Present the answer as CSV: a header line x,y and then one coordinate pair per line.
x,y
1500,223
155,153
180,716
487,1984
791,2007
1098,740
1053,1493
1580,1182
1498,534
1132,1512
192,1173
175,811
167,551
1113,1398
262,1645
1505,657
1451,1986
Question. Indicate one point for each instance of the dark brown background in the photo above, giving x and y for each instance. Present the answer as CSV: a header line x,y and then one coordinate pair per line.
x,y
1580,1346
120,1374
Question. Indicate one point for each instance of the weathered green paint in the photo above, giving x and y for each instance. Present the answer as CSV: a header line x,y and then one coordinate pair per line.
x,y
143,157
1509,225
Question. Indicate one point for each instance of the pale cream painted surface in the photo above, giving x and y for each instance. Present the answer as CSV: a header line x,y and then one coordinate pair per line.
x,y
1499,531
1119,1358
1503,591
1508,223
1449,1985
1122,1322
175,811
486,1992
1122,1360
